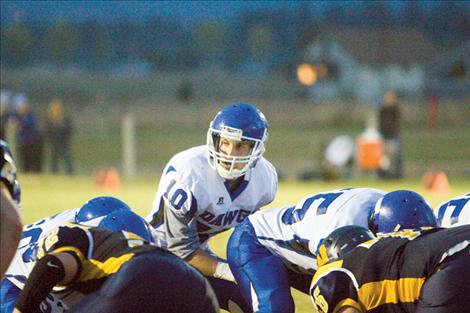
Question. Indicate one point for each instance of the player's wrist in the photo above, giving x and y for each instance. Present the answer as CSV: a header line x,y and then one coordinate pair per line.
x,y
222,271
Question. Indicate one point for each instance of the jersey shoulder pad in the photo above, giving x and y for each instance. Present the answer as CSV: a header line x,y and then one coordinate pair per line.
x,y
68,238
267,177
267,169
189,165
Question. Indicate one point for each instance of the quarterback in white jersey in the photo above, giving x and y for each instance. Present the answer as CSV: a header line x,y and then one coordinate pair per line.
x,y
208,189
454,212
276,249
34,234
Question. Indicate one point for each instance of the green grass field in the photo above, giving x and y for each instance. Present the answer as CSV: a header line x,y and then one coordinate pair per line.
x,y
44,195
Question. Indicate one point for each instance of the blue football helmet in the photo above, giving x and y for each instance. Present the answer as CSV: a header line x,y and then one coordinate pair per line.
x,y
127,221
401,209
8,172
341,241
240,122
98,207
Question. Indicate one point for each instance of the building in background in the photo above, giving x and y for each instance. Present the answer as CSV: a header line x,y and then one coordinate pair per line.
x,y
364,62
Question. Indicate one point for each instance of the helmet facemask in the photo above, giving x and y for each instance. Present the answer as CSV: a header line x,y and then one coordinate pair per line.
x,y
216,157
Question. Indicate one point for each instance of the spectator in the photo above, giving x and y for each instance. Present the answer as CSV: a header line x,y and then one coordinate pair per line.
x,y
58,131
185,91
390,124
5,113
29,135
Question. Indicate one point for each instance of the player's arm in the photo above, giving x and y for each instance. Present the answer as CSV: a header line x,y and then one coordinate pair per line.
x,y
51,270
10,230
180,207
60,259
209,265
183,241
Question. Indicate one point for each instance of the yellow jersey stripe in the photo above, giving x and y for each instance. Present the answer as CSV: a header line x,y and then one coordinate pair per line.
x,y
69,249
374,294
348,302
94,269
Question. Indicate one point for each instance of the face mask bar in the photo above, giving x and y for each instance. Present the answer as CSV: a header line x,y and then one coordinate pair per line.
x,y
216,157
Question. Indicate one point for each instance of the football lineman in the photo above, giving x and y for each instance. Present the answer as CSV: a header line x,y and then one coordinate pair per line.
x,y
406,271
208,189
33,234
10,230
274,250
454,212
113,268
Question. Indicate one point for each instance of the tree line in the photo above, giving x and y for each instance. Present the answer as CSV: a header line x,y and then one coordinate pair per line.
x,y
274,37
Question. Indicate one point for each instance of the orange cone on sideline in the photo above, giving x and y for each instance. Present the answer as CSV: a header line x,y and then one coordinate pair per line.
x,y
440,184
108,179
436,182
112,180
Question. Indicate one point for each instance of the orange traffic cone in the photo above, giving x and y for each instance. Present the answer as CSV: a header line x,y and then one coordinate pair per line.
x,y
112,180
440,184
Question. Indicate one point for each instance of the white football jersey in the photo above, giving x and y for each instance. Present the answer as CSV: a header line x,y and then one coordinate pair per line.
x,y
32,237
193,202
454,212
294,233
25,257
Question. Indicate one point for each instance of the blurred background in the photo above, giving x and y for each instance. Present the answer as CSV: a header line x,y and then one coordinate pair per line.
x,y
351,89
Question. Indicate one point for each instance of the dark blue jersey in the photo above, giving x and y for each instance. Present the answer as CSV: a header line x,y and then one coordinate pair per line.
x,y
386,274
99,252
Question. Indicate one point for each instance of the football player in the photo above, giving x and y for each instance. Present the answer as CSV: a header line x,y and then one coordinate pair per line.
x,y
208,189
454,212
33,234
407,271
274,250
10,230
401,209
113,268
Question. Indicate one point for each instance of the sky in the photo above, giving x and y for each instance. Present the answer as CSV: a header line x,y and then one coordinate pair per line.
x,y
189,12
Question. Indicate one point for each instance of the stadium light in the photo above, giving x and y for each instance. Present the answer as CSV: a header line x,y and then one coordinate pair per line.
x,y
307,74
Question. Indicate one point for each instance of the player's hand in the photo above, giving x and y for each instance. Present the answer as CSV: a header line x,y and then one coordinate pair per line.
x,y
223,271
15,310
